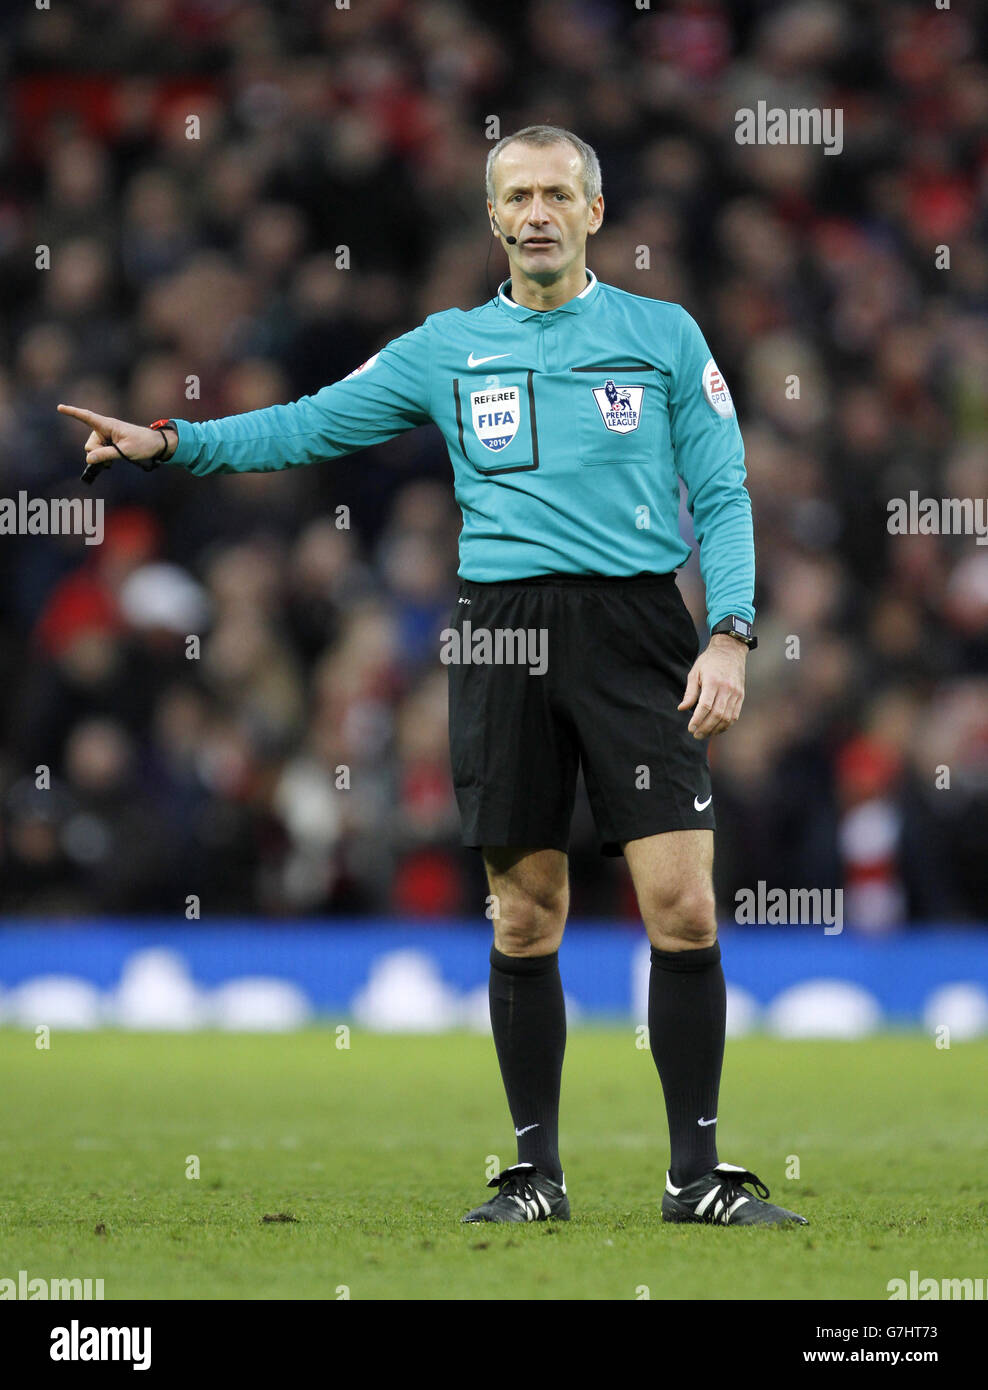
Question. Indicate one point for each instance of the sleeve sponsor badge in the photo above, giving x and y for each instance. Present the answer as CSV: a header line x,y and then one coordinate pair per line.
x,y
715,390
363,367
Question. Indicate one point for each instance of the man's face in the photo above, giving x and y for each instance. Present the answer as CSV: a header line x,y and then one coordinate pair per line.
x,y
539,199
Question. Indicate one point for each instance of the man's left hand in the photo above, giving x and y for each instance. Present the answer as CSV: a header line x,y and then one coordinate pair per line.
x,y
716,686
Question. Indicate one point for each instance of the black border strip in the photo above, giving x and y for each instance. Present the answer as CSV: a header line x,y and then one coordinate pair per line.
x,y
515,467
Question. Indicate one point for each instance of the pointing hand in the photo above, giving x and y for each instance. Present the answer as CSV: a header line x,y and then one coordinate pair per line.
x,y
111,439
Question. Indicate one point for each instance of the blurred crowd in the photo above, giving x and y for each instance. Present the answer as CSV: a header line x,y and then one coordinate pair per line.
x,y
291,758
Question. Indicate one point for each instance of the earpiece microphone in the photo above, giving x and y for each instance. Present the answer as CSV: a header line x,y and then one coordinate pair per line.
x,y
511,240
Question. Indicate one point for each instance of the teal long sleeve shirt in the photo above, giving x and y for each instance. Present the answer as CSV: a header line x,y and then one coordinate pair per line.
x,y
568,431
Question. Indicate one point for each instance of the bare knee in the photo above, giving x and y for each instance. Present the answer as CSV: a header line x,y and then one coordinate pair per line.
x,y
528,904
681,917
530,924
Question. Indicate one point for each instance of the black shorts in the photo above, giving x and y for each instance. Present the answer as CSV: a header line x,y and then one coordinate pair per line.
x,y
614,655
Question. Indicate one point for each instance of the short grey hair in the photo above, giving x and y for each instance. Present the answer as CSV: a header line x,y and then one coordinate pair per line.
x,y
551,135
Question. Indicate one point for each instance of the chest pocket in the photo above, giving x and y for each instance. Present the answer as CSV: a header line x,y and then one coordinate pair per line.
x,y
496,422
618,411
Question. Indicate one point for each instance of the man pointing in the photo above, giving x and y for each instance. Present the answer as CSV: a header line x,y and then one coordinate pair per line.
x,y
571,411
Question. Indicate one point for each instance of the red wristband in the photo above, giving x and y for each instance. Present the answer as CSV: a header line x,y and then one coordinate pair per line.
x,y
159,425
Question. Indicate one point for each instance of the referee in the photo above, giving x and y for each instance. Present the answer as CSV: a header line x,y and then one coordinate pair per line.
x,y
571,410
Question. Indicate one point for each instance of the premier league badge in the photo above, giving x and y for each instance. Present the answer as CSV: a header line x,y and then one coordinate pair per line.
x,y
495,416
620,406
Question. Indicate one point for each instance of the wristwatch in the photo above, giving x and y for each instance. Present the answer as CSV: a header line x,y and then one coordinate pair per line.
x,y
738,628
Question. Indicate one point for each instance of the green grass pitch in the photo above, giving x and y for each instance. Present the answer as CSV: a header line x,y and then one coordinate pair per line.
x,y
377,1150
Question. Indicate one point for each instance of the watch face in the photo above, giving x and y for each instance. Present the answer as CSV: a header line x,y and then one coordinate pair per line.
x,y
736,627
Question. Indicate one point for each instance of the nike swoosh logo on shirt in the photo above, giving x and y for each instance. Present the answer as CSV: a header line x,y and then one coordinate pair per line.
x,y
707,1122
479,361
699,805
520,1132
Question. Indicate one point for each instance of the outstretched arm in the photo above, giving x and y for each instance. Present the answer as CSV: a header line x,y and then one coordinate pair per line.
x,y
387,394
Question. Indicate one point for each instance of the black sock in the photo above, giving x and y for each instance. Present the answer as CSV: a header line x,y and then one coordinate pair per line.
x,y
687,1007
528,1017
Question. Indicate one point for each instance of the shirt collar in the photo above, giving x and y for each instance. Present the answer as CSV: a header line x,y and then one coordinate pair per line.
x,y
572,306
